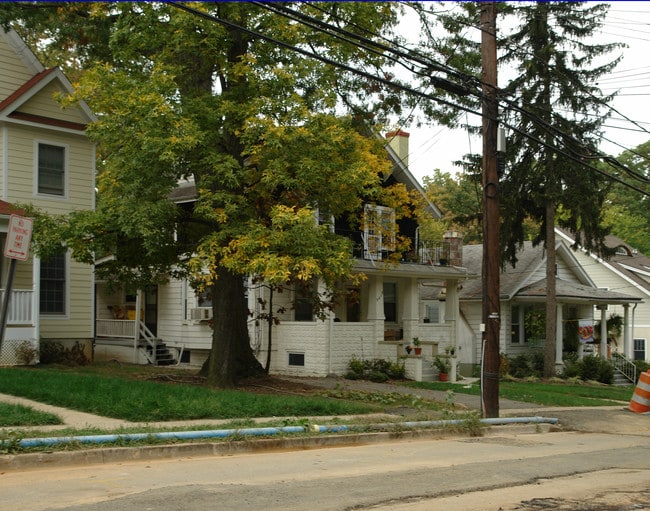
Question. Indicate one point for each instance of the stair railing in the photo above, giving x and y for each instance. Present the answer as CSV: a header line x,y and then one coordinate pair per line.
x,y
151,341
625,366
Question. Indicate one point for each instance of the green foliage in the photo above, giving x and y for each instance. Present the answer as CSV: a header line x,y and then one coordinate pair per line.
x,y
53,352
26,353
627,213
256,127
442,364
377,370
18,415
590,368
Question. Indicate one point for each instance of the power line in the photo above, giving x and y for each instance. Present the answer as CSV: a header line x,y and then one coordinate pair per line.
x,y
406,89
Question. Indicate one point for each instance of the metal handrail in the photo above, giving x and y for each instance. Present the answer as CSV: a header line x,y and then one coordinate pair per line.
x,y
624,366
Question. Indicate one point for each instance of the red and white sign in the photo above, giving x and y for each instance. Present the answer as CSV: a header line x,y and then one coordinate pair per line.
x,y
18,237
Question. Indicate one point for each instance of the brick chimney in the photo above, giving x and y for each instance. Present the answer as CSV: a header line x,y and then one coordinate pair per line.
x,y
398,141
455,240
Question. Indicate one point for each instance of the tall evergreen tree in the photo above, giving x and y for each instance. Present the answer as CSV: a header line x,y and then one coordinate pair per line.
x,y
556,112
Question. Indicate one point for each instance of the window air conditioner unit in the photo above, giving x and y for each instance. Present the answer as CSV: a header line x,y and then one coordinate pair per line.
x,y
201,313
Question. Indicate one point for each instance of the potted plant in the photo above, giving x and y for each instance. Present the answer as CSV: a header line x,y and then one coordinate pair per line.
x,y
417,345
450,350
443,366
408,348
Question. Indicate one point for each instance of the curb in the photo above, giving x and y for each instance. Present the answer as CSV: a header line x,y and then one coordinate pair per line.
x,y
104,455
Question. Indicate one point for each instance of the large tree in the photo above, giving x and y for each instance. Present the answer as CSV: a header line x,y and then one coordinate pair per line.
x,y
254,124
626,212
555,111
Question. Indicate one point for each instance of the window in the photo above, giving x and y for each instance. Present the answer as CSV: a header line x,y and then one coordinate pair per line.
x,y
515,329
390,302
51,170
297,359
303,303
379,231
639,349
53,285
528,323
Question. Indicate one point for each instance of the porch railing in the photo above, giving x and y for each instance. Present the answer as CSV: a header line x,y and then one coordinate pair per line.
x,y
21,307
624,365
119,328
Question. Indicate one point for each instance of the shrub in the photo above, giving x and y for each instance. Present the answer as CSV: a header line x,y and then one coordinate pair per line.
x,y
377,370
56,353
590,367
26,353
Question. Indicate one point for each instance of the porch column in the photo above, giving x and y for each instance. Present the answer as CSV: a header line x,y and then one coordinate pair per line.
x,y
628,349
136,336
603,331
451,311
375,305
559,341
411,314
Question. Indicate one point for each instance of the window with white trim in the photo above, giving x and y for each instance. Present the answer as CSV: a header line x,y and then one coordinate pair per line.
x,y
51,170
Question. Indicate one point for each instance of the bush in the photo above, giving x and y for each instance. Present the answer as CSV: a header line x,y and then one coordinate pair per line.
x,y
590,367
56,353
377,370
525,365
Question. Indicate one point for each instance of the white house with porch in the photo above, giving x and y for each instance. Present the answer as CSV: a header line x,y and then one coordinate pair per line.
x,y
523,294
393,305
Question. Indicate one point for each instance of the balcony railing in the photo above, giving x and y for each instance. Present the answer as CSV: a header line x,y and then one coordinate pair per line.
x,y
21,307
427,253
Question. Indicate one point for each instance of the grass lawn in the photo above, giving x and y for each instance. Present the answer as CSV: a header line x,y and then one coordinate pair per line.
x,y
545,393
17,415
125,392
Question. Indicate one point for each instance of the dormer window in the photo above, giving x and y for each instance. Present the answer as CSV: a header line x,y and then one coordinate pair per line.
x,y
623,251
379,231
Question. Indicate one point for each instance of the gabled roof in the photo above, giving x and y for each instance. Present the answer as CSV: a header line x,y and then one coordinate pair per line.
x,y
516,282
403,175
574,293
628,262
40,79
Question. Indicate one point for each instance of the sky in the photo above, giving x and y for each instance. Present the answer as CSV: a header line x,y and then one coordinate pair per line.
x,y
627,22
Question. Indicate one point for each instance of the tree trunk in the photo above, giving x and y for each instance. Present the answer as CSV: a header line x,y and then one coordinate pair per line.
x,y
551,298
231,357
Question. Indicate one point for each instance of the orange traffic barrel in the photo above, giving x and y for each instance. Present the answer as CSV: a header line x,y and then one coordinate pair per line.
x,y
640,402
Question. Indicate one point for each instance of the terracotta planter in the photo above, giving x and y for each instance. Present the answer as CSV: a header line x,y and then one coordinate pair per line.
x,y
418,351
443,376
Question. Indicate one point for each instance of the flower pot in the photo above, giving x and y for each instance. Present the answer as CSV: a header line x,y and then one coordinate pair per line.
x,y
443,376
418,350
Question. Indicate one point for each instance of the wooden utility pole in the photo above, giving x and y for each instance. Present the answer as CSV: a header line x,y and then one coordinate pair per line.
x,y
491,266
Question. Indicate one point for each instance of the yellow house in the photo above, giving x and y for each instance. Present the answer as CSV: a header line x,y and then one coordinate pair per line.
x,y
45,160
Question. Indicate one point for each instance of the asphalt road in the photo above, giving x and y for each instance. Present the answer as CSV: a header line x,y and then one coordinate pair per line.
x,y
495,472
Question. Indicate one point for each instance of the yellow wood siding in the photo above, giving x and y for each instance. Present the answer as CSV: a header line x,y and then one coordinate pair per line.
x,y
13,70
78,323
21,164
44,104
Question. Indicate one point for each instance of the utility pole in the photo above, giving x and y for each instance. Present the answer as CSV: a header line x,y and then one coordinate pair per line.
x,y
491,267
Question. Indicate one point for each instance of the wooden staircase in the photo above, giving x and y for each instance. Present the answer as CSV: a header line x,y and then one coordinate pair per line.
x,y
155,349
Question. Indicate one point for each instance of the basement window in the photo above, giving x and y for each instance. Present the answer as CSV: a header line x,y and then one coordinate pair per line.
x,y
297,359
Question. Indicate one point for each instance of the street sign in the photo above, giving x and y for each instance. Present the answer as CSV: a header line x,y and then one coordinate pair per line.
x,y
18,237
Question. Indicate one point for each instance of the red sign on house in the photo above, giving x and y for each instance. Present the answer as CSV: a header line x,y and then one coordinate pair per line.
x,y
18,237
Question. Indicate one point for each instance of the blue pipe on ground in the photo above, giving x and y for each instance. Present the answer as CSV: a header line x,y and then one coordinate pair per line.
x,y
268,431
